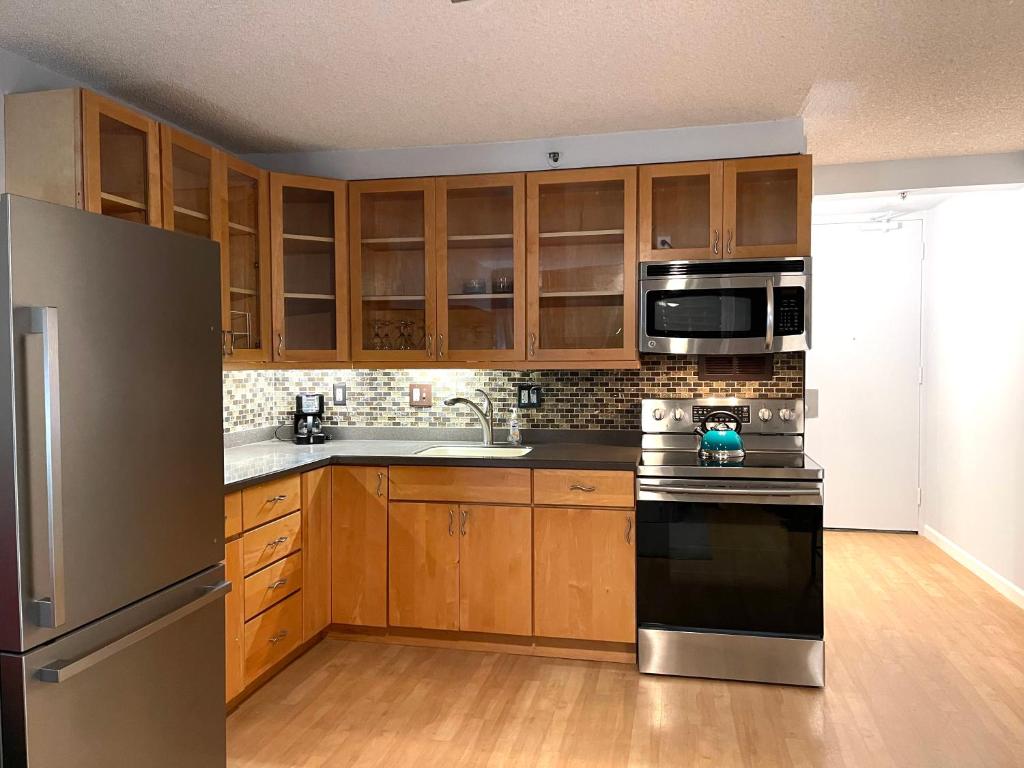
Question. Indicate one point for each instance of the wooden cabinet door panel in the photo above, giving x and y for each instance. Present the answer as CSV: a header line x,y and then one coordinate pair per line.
x,y
680,211
232,514
316,551
234,620
584,574
767,207
495,578
423,566
359,534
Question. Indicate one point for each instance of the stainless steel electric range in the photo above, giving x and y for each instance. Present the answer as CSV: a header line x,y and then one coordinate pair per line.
x,y
729,555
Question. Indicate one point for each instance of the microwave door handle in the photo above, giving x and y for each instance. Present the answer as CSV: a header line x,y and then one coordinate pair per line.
x,y
44,458
769,320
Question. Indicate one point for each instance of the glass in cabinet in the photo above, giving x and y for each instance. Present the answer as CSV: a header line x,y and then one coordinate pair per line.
x,y
245,256
393,269
188,172
767,211
310,276
680,213
581,265
481,272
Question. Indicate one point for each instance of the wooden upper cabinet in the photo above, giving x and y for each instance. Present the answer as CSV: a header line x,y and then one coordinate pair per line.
x,y
190,176
481,267
244,234
767,211
681,211
77,148
581,264
394,270
310,268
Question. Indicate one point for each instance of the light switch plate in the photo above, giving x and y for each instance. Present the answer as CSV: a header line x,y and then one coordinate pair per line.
x,y
339,394
420,395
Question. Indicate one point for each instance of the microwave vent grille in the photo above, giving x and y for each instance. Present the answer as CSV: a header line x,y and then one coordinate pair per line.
x,y
759,267
735,367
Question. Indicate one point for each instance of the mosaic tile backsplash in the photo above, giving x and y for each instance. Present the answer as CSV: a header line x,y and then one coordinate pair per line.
x,y
602,399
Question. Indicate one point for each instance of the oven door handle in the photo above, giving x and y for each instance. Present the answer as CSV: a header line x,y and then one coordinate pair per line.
x,y
806,496
769,319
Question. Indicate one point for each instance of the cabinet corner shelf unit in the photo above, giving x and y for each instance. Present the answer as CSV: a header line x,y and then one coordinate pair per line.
x,y
313,270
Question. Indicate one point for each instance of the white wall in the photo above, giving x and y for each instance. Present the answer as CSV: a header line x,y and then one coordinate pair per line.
x,y
776,137
18,74
973,420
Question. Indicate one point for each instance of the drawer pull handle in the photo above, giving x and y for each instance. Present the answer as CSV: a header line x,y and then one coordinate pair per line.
x,y
380,484
278,584
277,637
584,488
629,529
277,542
277,499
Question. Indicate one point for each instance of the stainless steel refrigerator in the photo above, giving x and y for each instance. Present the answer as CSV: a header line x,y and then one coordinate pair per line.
x,y
111,493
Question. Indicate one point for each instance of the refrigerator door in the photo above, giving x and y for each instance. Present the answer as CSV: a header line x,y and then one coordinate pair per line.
x,y
142,687
111,455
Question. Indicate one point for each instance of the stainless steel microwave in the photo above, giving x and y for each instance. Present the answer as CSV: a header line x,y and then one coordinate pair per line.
x,y
737,307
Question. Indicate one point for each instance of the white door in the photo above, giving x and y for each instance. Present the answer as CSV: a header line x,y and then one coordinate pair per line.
x,y
865,365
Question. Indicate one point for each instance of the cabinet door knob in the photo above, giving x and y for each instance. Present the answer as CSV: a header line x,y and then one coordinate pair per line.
x,y
728,242
465,517
280,344
533,343
714,242
440,346
430,346
451,521
380,484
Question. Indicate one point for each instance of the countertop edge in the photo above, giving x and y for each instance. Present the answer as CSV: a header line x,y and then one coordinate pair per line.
x,y
392,461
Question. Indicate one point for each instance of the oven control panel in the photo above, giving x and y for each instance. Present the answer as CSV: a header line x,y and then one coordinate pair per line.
x,y
757,416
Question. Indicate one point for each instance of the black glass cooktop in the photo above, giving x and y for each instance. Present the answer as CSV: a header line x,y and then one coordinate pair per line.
x,y
793,466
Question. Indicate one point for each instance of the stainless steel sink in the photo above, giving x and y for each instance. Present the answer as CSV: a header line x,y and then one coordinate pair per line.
x,y
474,451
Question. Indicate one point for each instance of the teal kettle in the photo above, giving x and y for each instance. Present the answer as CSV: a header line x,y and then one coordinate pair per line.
x,y
721,441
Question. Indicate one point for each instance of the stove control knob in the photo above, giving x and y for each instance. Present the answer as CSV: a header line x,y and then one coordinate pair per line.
x,y
678,414
786,414
658,414
765,414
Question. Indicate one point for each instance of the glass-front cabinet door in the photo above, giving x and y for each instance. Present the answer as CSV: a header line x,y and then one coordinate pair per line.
x,y
121,154
310,271
581,265
680,211
190,173
393,270
767,211
481,270
245,260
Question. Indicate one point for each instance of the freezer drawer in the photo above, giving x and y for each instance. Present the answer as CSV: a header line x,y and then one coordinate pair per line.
x,y
141,687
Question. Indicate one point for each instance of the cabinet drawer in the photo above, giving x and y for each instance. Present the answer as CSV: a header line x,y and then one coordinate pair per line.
x,y
232,514
269,501
272,635
272,584
585,487
271,542
465,484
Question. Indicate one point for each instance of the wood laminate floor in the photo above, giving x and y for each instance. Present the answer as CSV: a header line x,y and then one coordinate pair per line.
x,y
925,667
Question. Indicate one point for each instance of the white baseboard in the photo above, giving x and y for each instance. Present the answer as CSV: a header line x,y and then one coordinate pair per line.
x,y
998,582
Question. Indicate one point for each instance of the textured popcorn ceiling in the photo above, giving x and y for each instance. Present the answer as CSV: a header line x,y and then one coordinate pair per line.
x,y
873,80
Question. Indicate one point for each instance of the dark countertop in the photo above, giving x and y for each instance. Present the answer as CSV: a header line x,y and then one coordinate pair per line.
x,y
246,465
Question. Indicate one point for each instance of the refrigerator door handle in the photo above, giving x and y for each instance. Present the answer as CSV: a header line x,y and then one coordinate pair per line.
x,y
44,456
62,671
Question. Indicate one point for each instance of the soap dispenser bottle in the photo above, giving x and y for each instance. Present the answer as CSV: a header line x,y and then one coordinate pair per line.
x,y
514,435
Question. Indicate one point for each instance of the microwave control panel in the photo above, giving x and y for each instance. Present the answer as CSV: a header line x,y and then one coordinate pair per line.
x,y
789,311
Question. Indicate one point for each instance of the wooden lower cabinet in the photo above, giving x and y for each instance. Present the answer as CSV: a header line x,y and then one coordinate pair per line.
x,y
271,542
423,565
359,536
584,574
316,551
495,582
234,620
272,585
272,635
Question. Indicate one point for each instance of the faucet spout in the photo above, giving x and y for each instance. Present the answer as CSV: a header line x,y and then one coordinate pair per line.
x,y
483,415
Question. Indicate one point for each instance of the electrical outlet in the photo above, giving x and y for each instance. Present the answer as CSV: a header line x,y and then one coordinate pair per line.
x,y
340,391
421,395
529,395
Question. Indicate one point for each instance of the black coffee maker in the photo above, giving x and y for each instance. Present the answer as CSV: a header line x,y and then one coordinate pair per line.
x,y
308,420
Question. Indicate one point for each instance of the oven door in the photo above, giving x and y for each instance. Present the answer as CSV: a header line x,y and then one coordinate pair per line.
x,y
749,314
727,556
